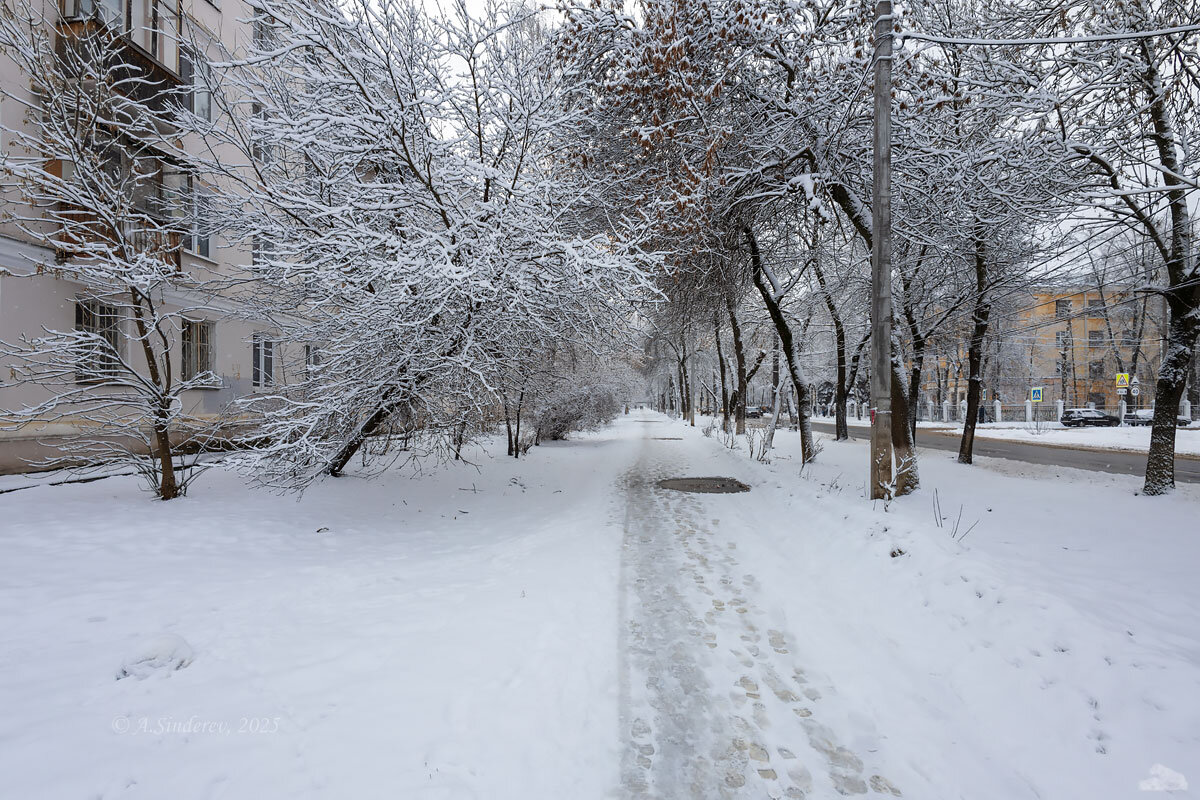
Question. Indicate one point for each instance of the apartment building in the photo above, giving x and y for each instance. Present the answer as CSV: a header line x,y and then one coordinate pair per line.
x,y
1072,341
1080,339
38,290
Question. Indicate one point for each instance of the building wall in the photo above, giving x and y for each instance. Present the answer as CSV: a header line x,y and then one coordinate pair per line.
x,y
35,296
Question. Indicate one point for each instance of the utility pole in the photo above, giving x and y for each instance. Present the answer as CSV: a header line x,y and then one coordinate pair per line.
x,y
881,260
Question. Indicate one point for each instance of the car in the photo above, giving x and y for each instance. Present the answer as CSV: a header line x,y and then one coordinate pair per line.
x,y
1090,417
1145,417
754,412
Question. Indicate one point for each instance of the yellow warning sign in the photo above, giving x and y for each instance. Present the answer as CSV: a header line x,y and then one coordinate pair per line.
x,y
1122,380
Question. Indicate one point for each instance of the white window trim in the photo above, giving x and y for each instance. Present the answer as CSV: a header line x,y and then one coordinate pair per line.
x,y
263,351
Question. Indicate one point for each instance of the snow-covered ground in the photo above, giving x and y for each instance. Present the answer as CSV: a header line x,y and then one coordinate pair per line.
x,y
449,636
562,628
1187,440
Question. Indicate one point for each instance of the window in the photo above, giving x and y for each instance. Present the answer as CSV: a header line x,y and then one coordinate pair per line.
x,y
99,356
197,205
1095,338
262,250
312,358
263,30
1096,370
196,94
1062,308
1060,339
197,349
1128,338
1095,307
108,10
260,149
148,181
262,360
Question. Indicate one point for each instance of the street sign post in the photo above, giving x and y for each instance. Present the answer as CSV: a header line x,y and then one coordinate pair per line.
x,y
1035,394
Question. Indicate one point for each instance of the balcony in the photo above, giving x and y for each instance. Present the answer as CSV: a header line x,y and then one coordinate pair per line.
x,y
147,195
151,27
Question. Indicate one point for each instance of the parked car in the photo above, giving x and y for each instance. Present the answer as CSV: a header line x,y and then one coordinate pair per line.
x,y
753,412
1089,417
1145,416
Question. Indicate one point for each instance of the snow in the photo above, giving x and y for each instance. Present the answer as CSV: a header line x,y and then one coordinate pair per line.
x,y
1137,439
559,627
1187,440
162,653
452,635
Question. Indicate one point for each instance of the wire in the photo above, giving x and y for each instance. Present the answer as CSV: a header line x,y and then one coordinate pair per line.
x,y
1108,37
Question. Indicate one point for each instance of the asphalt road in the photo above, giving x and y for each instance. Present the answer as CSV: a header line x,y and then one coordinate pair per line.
x,y
1124,463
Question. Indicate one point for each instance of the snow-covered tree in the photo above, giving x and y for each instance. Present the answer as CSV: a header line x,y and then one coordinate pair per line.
x,y
417,220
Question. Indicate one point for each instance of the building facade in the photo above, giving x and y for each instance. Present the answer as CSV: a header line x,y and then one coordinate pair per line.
x,y
38,290
1071,341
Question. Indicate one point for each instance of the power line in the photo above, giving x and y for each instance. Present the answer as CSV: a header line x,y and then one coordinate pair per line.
x,y
1107,37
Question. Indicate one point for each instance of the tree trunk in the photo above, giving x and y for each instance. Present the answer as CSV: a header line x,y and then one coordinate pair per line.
x,y
979,317
339,461
904,450
841,428
724,382
516,453
808,450
1168,391
769,442
739,353
168,486
1183,297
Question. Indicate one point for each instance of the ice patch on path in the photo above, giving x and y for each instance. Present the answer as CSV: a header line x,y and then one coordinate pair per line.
x,y
1163,779
165,652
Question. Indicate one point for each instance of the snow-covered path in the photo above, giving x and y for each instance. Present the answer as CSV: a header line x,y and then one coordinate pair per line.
x,y
713,701
562,627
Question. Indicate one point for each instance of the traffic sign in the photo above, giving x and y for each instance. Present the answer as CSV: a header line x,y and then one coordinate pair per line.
x,y
1121,390
1122,379
1135,391
1135,381
1035,394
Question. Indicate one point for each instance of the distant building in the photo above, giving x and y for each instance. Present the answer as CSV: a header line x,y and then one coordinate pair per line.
x,y
1072,341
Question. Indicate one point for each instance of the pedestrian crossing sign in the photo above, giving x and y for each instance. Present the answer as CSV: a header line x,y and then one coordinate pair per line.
x,y
1035,394
1122,380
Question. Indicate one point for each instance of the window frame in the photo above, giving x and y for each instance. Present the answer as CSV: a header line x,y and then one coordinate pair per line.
x,y
198,239
262,361
198,353
193,77
104,366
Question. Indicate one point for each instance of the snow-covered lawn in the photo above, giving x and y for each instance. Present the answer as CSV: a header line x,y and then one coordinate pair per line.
x,y
529,629
449,636
1187,440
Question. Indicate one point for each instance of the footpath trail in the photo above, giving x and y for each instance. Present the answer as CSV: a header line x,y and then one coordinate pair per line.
x,y
714,703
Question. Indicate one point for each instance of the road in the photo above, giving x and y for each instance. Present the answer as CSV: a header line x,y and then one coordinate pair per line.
x,y
1123,463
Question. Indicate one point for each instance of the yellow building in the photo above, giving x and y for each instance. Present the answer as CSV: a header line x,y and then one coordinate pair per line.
x,y
1079,340
1071,341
